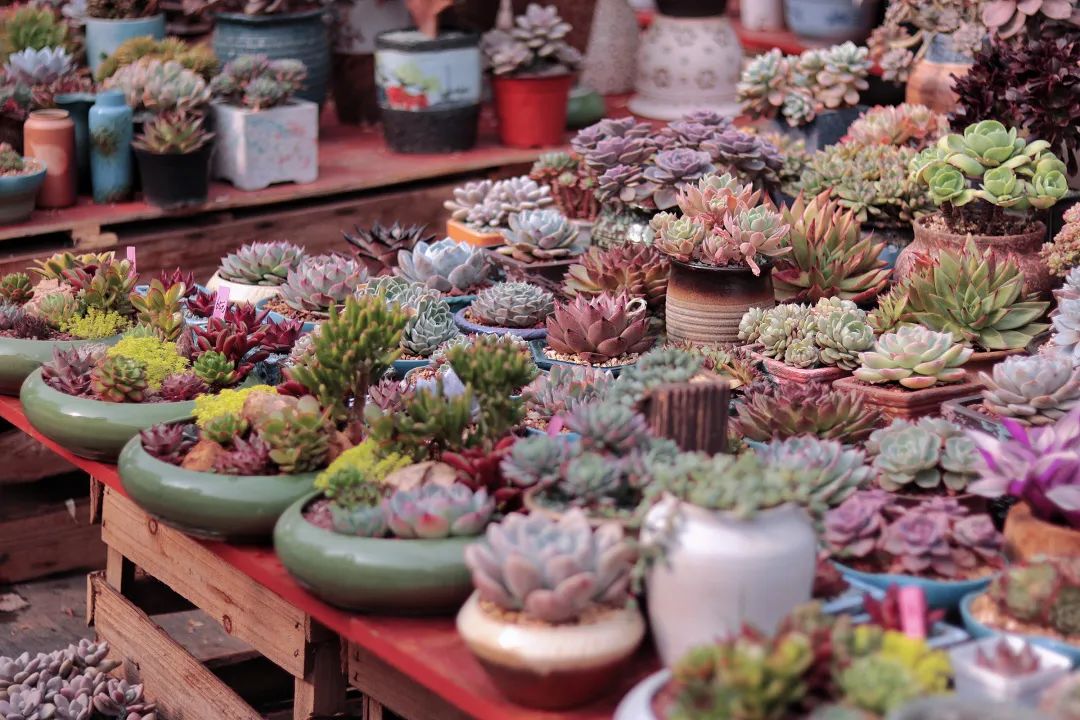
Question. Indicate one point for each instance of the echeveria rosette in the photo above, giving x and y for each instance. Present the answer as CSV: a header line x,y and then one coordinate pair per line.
x,y
1066,337
918,541
915,358
976,542
745,237
588,138
931,454
670,171
853,529
438,511
446,266
678,237
832,471
623,184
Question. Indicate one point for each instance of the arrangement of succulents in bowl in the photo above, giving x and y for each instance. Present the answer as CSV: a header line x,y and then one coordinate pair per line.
x,y
256,271
776,413
20,178
453,270
603,331
508,308
315,284
481,209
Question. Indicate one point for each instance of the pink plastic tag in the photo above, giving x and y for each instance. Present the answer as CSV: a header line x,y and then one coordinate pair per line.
x,y
221,302
131,257
913,612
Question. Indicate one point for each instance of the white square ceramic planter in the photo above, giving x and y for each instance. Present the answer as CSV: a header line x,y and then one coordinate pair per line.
x,y
973,681
257,149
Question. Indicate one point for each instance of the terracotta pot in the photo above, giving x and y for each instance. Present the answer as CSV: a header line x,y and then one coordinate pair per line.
x,y
930,82
461,232
1027,537
532,109
705,304
788,374
49,136
897,402
1023,249
985,362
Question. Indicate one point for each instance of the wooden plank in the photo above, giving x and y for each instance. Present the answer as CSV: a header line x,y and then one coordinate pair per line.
x,y
171,676
27,460
244,608
322,689
393,690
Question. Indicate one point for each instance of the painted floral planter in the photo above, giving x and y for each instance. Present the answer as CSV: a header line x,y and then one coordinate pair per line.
x,y
940,594
208,505
788,374
257,149
545,363
400,577
19,358
18,196
978,630
459,231
897,402
1027,537
552,667
242,294
705,304
104,35
90,428
470,327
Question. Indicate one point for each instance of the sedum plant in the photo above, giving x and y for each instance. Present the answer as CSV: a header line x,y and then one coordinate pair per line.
x,y
636,269
929,455
1034,390
261,263
258,83
512,305
445,266
600,329
809,409
572,187
915,358
1062,254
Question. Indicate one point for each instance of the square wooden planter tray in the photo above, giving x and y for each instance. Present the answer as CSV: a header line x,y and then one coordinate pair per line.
x,y
909,404
787,374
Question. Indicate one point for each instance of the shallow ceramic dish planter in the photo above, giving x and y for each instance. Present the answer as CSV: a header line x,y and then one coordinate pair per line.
x,y
257,149
544,362
965,411
92,429
977,629
468,326
785,373
940,594
897,402
973,681
240,293
208,505
401,577
1027,537
20,357
459,231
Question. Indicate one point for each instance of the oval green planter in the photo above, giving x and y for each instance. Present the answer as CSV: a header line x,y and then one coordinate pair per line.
x,y
89,428
209,505
19,358
398,577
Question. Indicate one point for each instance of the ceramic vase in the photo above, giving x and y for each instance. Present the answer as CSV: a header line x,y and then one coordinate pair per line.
x,y
104,35
612,50
831,20
353,64
931,78
49,136
705,304
111,130
78,106
256,149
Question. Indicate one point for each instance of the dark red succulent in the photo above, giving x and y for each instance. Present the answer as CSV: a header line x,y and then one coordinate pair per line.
x,y
201,303
478,468
168,443
169,278
181,387
245,314
279,337
237,342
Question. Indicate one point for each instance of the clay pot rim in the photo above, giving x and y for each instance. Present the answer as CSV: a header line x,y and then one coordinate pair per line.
x,y
765,264
1038,231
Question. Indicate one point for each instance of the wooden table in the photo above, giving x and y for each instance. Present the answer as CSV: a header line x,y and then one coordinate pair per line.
x,y
417,667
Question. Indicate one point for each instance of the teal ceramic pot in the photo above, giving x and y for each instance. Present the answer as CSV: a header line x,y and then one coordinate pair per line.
x,y
460,302
103,36
19,358
78,106
89,428
111,131
545,363
401,367
834,20
275,317
219,507
977,630
18,195
940,594
301,36
585,107
399,577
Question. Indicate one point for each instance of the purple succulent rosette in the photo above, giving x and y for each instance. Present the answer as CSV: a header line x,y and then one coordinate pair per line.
x,y
919,542
588,138
670,171
438,511
854,527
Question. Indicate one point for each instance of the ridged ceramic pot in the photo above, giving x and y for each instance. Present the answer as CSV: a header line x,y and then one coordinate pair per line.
x,y
92,429
705,304
19,357
931,78
49,136
104,35
111,131
209,505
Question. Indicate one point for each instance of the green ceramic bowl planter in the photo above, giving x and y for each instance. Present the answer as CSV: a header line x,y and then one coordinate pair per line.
x,y
19,358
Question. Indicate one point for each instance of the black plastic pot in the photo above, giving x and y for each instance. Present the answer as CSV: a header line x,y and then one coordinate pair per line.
x,y
691,8
172,180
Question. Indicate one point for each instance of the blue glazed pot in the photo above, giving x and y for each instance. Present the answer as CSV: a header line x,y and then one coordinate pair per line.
x,y
835,20
301,36
977,630
460,302
940,594
103,36
18,195
78,106
111,130
545,363
471,327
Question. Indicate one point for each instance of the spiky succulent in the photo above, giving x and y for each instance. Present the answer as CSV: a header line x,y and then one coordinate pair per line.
x,y
831,471
745,237
914,357
599,329
247,457
215,369
119,379
608,427
891,312
450,267
1043,592
32,27
70,370
38,67
636,269
16,289
225,428
808,409
168,133
541,235
514,566
438,511
318,282
512,305
168,442
430,325
180,387
17,322
1035,390
927,455
378,246
487,204
562,388
261,263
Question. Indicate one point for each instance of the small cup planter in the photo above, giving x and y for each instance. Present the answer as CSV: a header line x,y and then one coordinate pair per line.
x,y
18,195
459,231
104,35
174,180
551,270
788,374
1027,537
257,149
544,362
965,411
552,667
638,703
209,505
532,109
400,577
471,327
974,623
90,428
705,304
897,402
940,594
20,357
973,681
242,294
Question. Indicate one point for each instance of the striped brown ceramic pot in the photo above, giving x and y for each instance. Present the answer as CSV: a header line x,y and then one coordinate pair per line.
x,y
705,304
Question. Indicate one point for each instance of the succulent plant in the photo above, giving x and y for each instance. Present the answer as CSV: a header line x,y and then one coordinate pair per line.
x,y
841,336
1066,335
534,45
159,86
745,236
318,282
1043,592
246,457
831,471
38,67
810,409
168,442
562,388
197,58
748,156
450,267
224,428
608,427
512,305
919,541
1007,18
891,312
486,205
257,82
105,287
70,370
438,511
904,125
181,387
764,83
570,183
1008,661
842,75
914,357
122,700
927,455
539,236
670,171
298,436
119,379
1062,254
1035,390
887,612
16,322
535,460
600,329
261,263
430,325
514,566
31,27
179,132
636,269
215,369
16,289
379,245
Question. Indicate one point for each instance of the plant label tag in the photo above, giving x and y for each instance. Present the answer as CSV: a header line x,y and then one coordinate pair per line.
x,y
913,612
131,257
221,302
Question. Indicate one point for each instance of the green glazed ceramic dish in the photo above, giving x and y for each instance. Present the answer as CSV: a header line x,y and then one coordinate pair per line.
x,y
208,505
89,428
399,577
19,358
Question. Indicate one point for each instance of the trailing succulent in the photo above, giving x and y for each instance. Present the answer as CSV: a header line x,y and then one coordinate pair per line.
x,y
261,263
1043,592
600,329
445,266
1034,389
915,358
487,205
832,333
814,409
929,455
636,269
512,305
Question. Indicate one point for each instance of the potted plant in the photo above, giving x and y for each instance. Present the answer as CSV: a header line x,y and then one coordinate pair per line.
x,y
931,457
543,242
768,413
455,271
551,643
265,135
174,153
256,271
31,80
379,246
1032,390
533,68
430,319
553,394
1006,669
20,179
721,250
508,308
481,209
199,59
986,183
938,545
313,285
1062,253
571,185
109,23
800,343
641,271
1065,338
605,331
910,372
1039,466
356,24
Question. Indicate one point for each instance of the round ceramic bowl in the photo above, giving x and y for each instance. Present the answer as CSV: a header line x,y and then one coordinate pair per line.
x,y
19,358
243,294
89,428
471,327
978,630
208,505
399,577
637,704
18,194
459,302
940,594
545,363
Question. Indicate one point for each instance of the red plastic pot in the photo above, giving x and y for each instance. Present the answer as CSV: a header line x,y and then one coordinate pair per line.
x,y
532,109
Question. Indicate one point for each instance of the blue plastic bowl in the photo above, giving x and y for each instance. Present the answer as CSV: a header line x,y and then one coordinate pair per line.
x,y
940,594
977,630
403,366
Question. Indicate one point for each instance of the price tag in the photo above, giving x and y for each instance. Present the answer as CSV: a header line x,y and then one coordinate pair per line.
x,y
131,257
221,302
913,612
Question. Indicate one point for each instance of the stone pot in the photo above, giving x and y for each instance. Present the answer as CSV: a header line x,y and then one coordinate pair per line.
x,y
931,78
243,294
1023,249
705,304
552,667
895,401
19,357
720,572
611,56
209,505
399,577
255,149
1027,537
784,373
93,429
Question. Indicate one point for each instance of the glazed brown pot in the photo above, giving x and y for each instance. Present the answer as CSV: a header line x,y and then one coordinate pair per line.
x,y
788,374
705,304
49,136
1023,249
1027,537
896,402
930,81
